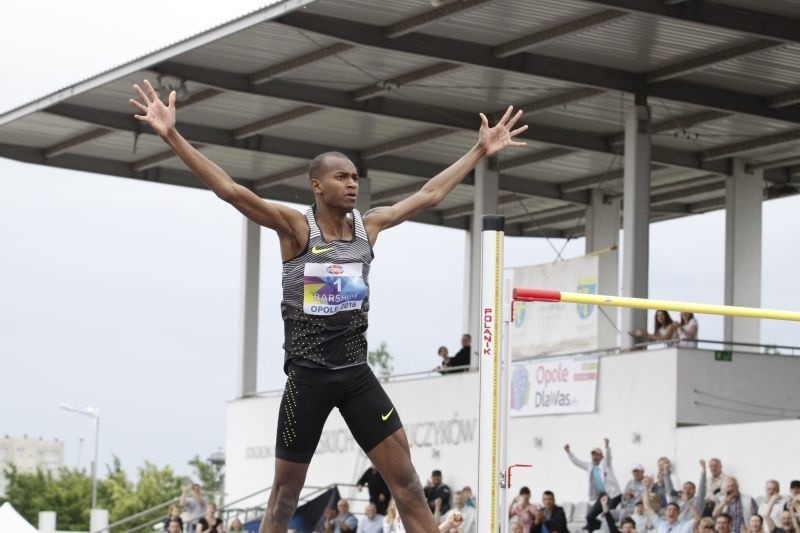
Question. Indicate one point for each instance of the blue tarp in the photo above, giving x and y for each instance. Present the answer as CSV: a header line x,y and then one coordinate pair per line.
x,y
308,517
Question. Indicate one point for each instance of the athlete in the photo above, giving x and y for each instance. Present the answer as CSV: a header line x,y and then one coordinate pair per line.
x,y
326,255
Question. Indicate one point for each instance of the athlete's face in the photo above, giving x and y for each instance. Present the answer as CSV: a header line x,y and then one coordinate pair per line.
x,y
336,185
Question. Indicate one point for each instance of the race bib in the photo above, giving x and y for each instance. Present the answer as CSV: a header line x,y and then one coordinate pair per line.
x,y
331,287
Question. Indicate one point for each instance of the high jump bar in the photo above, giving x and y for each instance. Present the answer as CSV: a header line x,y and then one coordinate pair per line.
x,y
542,295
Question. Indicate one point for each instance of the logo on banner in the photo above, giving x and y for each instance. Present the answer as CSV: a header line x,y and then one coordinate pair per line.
x,y
586,285
520,387
519,313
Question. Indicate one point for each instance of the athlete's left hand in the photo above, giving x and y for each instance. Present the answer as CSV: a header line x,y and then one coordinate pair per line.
x,y
492,140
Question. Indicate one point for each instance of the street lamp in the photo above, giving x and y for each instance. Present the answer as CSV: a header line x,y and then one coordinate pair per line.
x,y
93,413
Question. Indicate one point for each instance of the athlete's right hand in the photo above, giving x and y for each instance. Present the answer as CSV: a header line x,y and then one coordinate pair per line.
x,y
160,117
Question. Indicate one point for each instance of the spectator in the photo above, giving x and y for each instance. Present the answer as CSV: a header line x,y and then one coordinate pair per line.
x,y
235,525
328,519
378,491
670,523
435,489
772,489
690,500
640,519
210,522
715,483
174,525
706,525
756,524
469,499
628,525
173,514
464,355
522,510
738,507
723,523
794,495
393,524
687,331
554,515
634,489
469,523
372,522
789,522
443,353
516,527
659,487
193,503
345,520
664,328
601,481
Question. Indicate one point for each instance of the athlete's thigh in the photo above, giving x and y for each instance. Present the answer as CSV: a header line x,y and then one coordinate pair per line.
x,y
308,399
367,409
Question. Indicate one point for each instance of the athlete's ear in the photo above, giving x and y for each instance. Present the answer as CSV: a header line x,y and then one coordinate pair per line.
x,y
316,187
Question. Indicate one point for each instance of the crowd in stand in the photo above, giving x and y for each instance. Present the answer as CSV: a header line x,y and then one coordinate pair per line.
x,y
194,514
460,361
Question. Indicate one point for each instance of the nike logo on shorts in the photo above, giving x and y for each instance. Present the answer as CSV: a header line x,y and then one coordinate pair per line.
x,y
387,415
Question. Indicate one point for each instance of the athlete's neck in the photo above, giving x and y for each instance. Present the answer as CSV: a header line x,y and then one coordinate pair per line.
x,y
335,224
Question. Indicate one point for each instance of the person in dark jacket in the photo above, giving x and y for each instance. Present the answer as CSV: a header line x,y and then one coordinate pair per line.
x,y
555,519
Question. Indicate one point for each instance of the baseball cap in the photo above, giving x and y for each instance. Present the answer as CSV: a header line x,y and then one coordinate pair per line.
x,y
638,466
597,450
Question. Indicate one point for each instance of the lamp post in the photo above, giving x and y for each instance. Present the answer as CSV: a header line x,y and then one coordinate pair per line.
x,y
92,413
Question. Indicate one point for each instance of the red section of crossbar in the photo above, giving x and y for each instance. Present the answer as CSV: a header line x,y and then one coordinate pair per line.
x,y
536,295
508,476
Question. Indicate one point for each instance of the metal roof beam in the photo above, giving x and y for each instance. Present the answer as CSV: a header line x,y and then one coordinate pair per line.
x,y
527,42
429,17
469,53
567,97
752,144
784,99
676,123
269,73
598,179
468,209
535,157
156,159
392,84
404,142
687,66
254,128
759,24
64,146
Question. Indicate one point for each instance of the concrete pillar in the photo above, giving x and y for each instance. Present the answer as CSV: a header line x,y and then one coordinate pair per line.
x,y
636,217
98,520
743,199
47,522
364,193
602,237
247,367
486,190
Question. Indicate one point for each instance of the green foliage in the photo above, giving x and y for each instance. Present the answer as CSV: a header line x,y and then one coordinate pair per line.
x,y
69,494
207,473
381,361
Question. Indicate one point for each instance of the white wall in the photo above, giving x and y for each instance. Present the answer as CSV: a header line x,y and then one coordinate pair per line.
x,y
637,394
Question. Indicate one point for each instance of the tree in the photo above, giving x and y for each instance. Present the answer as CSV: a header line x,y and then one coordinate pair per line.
x,y
381,361
208,473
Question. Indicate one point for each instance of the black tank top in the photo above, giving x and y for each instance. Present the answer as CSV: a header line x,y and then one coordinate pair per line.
x,y
326,299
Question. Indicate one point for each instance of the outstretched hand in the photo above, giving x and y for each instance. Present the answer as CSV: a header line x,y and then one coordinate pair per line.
x,y
492,140
160,117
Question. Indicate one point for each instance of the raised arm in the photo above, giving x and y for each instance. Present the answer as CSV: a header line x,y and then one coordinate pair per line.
x,y
648,482
608,451
577,462
490,141
161,118
770,523
699,496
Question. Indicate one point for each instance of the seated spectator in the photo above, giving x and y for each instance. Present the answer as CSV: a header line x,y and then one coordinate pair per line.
x,y
469,521
633,491
372,522
443,353
522,510
640,519
463,357
664,328
737,506
554,515
378,491
687,331
723,523
670,523
235,525
706,525
394,524
173,514
516,527
210,523
469,499
628,525
794,495
772,489
756,524
343,521
391,522
436,490
789,519
174,525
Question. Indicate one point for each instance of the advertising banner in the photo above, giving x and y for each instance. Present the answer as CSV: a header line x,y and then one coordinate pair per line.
x,y
554,385
542,328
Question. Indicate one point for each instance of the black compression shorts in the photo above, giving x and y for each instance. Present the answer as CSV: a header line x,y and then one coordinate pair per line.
x,y
310,396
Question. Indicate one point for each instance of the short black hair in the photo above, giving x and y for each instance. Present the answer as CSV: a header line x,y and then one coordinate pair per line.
x,y
436,473
525,490
628,520
317,162
549,493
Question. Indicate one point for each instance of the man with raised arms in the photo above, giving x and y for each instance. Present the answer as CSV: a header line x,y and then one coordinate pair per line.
x,y
326,255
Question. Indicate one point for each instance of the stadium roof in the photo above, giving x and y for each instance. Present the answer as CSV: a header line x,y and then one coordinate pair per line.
x,y
398,85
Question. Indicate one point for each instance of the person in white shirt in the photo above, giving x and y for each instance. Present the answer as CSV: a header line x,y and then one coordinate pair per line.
x,y
371,522
469,523
670,522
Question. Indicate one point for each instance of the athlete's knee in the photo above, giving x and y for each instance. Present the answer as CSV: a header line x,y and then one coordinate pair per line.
x,y
407,485
282,506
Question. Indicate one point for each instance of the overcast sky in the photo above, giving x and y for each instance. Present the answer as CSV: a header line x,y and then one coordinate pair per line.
x,y
124,295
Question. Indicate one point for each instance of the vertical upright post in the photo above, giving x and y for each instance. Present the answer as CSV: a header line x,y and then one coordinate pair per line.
x,y
247,368
490,474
